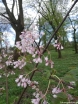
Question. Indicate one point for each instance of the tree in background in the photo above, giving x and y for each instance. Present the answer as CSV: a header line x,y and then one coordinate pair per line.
x,y
17,22
50,17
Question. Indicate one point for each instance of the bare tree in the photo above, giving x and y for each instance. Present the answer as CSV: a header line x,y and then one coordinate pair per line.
x,y
16,21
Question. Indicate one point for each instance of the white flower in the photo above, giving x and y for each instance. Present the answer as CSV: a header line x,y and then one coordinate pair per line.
x,y
20,76
17,80
37,60
72,83
0,76
35,101
54,96
46,58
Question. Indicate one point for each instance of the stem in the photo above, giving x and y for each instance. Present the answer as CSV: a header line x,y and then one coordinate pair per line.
x,y
7,98
56,77
47,89
45,92
6,79
31,72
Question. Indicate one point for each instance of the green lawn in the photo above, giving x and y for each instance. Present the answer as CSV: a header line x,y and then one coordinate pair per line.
x,y
65,68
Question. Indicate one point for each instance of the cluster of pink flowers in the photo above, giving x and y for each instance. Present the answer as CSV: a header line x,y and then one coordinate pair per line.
x,y
55,91
38,96
58,45
8,62
37,60
20,63
9,73
24,82
27,42
37,56
48,62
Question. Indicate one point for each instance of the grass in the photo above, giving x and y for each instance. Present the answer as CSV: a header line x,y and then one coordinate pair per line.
x,y
62,67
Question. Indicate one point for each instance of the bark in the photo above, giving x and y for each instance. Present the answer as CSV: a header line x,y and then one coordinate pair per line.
x,y
18,32
17,24
75,43
59,54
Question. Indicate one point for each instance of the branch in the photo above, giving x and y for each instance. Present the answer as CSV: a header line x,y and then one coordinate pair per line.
x,y
4,16
13,6
20,16
10,14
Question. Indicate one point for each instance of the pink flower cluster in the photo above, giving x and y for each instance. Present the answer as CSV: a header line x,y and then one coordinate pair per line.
x,y
22,81
38,96
27,42
38,53
9,73
55,91
48,62
37,60
58,45
8,62
20,64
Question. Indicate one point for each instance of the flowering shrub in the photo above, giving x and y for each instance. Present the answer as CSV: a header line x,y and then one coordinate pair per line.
x,y
27,46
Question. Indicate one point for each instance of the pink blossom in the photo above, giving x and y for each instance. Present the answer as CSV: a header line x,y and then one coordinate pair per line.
x,y
58,46
69,87
46,59
18,84
17,80
27,41
37,60
25,85
35,101
48,62
23,80
8,62
56,90
20,76
20,64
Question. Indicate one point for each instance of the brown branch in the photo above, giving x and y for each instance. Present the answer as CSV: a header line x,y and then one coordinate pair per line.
x,y
10,14
20,16
4,16
13,6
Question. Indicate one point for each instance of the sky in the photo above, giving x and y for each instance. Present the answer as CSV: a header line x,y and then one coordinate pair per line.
x,y
32,14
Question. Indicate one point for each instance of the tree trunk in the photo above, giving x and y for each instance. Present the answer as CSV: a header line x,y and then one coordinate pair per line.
x,y
75,43
59,54
16,53
18,33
